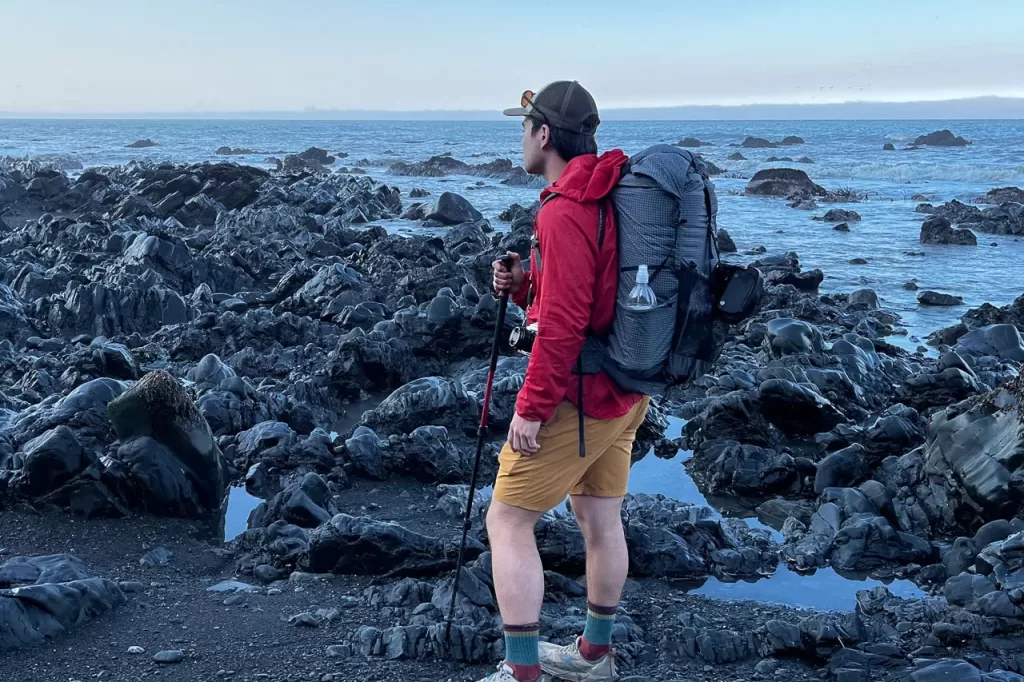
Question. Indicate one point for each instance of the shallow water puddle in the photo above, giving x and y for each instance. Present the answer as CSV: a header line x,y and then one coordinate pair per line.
x,y
240,505
824,590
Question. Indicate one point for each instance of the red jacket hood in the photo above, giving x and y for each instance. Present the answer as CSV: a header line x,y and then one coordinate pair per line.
x,y
589,177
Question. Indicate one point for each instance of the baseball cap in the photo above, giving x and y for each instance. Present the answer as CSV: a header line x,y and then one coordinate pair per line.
x,y
562,104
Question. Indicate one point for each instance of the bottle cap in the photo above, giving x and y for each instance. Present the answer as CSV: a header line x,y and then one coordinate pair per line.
x,y
641,275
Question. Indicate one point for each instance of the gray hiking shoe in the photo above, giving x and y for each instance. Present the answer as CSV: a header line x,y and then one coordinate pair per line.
x,y
567,663
504,674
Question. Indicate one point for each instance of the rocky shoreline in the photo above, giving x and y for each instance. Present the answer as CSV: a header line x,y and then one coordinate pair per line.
x,y
168,330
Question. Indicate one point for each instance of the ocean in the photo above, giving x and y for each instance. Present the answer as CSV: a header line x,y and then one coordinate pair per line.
x,y
846,154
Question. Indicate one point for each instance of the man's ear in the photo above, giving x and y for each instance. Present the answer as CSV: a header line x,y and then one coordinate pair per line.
x,y
545,136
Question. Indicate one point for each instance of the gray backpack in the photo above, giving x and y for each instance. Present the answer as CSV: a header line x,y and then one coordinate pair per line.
x,y
665,209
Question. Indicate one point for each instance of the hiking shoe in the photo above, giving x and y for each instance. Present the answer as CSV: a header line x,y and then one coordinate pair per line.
x,y
567,663
504,674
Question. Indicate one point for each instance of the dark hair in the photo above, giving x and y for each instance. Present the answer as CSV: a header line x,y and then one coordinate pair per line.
x,y
568,144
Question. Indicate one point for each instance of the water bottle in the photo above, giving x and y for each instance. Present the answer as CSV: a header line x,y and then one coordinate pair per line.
x,y
642,297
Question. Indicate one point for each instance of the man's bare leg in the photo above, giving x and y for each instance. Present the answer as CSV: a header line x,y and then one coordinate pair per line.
x,y
607,567
518,583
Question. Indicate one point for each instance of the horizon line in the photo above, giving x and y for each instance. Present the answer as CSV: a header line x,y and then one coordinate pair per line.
x,y
1015,104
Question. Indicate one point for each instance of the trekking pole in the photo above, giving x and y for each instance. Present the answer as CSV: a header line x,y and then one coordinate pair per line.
x,y
480,432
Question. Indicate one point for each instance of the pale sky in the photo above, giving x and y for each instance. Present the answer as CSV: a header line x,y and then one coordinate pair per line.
x,y
130,56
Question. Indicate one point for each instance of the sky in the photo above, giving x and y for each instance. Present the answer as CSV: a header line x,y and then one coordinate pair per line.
x,y
132,56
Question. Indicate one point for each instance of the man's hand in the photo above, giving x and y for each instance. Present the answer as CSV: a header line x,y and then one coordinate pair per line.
x,y
522,436
509,280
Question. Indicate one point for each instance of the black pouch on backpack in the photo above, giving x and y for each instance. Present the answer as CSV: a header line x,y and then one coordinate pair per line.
x,y
737,290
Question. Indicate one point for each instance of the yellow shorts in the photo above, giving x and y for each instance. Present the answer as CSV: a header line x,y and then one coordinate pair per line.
x,y
541,482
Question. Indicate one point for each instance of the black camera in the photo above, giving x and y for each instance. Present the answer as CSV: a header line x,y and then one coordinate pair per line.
x,y
521,338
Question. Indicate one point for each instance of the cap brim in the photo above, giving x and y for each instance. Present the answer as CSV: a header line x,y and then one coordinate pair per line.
x,y
518,111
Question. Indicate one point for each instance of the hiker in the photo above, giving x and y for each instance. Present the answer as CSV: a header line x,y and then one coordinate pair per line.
x,y
570,292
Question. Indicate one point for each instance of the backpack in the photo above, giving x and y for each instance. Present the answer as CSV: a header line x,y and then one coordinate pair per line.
x,y
666,210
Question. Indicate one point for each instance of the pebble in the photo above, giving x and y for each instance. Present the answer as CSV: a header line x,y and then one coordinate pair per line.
x,y
273,592
131,586
232,586
170,656
709,668
225,673
305,620
339,651
235,600
136,650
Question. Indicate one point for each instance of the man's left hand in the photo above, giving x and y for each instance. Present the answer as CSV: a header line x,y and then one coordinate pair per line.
x,y
522,436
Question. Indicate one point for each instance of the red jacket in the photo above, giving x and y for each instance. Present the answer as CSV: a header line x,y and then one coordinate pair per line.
x,y
575,292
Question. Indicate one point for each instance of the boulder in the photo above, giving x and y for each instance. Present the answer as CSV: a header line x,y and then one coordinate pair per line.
x,y
141,144
692,142
790,140
797,409
866,542
842,469
934,298
758,143
783,182
725,242
452,209
941,138
862,299
1002,341
1002,195
363,546
938,230
166,445
889,147
736,156
838,215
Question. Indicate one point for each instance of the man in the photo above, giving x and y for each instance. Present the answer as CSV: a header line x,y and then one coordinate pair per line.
x,y
572,284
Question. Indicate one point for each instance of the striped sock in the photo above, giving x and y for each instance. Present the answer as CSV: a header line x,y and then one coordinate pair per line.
x,y
597,637
522,651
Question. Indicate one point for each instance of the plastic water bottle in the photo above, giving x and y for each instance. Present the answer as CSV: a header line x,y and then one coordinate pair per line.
x,y
642,297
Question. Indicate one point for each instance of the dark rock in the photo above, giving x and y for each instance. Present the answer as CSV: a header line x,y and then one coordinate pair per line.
x,y
692,142
141,144
758,143
725,242
946,670
1002,341
838,215
889,147
736,156
159,556
937,299
842,469
937,230
166,445
863,299
1002,195
791,140
797,409
362,546
418,193
229,151
867,542
783,182
452,209
941,138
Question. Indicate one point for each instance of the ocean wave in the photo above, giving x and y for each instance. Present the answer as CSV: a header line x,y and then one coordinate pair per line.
x,y
901,173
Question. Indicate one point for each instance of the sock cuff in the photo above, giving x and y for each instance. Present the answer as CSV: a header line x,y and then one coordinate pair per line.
x,y
602,612
522,630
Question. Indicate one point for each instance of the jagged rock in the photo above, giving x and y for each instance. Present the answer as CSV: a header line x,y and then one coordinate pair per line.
x,y
941,138
842,469
53,595
362,546
838,215
867,542
747,469
938,230
938,299
797,409
725,242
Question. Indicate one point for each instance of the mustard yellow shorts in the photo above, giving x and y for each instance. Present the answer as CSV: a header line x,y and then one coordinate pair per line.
x,y
541,482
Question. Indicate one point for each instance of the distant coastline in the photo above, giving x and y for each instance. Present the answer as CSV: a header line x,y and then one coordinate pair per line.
x,y
976,108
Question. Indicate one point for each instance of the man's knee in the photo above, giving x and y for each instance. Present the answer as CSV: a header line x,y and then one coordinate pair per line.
x,y
599,519
504,519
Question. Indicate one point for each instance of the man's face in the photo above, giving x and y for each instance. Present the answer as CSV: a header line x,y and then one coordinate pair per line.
x,y
533,147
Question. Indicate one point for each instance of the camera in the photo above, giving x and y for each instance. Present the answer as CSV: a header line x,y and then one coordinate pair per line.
x,y
521,338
